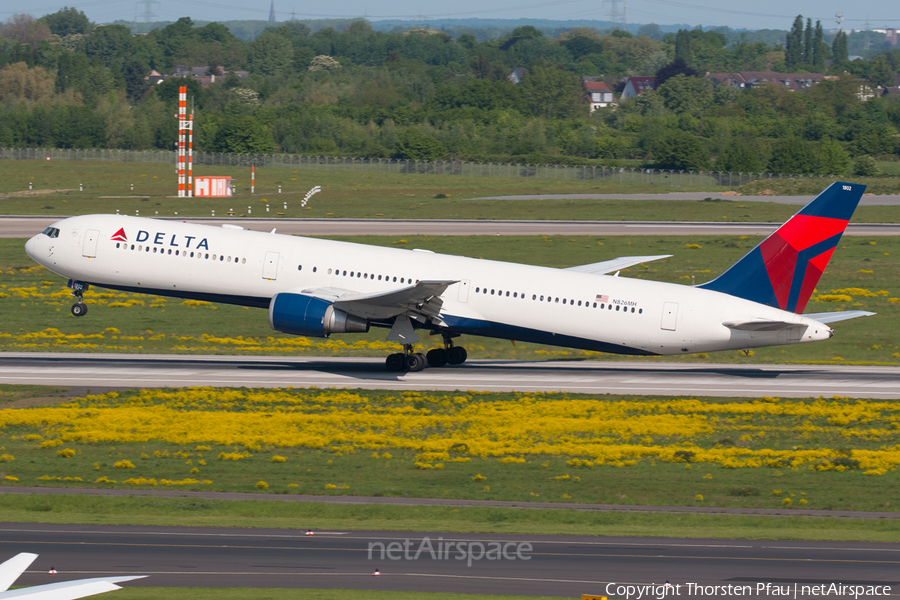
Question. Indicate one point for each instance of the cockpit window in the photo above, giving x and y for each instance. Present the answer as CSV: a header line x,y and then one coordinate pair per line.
x,y
52,232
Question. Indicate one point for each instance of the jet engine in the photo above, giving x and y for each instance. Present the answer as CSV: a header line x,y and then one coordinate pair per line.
x,y
300,314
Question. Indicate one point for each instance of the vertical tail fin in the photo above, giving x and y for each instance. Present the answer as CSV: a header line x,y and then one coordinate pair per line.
x,y
784,269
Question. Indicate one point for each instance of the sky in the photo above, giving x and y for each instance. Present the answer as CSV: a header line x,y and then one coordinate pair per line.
x,y
756,14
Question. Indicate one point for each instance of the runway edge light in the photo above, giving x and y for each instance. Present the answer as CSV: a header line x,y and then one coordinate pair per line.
x,y
592,597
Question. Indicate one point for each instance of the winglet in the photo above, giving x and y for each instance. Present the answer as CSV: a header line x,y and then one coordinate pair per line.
x,y
784,269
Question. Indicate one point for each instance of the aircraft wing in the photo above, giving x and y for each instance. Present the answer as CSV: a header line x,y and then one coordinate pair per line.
x,y
616,264
12,568
420,301
69,590
841,315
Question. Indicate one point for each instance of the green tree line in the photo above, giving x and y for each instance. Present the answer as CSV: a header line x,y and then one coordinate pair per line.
x,y
423,94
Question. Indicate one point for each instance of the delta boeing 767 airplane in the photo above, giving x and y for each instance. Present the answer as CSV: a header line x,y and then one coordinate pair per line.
x,y
314,287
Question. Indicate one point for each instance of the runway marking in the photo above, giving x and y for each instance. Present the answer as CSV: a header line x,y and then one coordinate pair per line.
x,y
532,554
349,535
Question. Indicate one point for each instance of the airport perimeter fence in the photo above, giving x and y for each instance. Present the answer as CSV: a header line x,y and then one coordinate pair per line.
x,y
661,177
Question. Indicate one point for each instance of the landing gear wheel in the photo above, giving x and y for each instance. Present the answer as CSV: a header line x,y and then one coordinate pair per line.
x,y
396,362
456,355
415,362
79,309
436,357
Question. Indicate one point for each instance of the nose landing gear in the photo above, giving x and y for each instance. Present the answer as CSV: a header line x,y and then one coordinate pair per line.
x,y
79,309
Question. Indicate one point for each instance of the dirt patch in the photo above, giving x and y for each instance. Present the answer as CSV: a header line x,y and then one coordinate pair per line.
x,y
36,402
766,193
731,193
27,193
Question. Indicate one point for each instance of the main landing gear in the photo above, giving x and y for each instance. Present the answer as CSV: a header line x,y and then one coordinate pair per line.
x,y
437,357
79,309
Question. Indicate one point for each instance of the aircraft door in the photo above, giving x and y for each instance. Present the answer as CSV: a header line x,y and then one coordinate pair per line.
x,y
669,316
270,266
89,249
463,291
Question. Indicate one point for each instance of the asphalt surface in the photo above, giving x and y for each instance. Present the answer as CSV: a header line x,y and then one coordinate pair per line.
x,y
533,565
25,227
116,371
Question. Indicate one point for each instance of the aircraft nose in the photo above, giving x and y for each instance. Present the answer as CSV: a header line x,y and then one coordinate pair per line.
x,y
30,247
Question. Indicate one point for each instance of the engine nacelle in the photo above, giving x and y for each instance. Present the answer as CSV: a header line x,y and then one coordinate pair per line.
x,y
300,314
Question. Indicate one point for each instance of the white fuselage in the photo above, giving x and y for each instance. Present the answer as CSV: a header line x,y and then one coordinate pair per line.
x,y
490,298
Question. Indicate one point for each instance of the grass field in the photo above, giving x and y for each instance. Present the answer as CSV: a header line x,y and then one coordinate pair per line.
x,y
769,453
188,512
365,195
35,304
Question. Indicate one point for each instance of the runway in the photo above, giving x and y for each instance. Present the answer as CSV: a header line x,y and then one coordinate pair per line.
x,y
531,565
25,227
116,371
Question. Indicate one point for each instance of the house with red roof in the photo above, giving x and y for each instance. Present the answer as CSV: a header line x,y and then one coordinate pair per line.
x,y
599,94
635,86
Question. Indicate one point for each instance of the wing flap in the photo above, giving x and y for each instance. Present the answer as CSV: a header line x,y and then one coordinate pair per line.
x,y
616,264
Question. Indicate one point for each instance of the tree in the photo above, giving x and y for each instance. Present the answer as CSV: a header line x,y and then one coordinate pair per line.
x,y
551,92
271,54
413,144
676,67
820,48
839,47
359,28
111,44
793,55
689,95
135,85
525,32
880,72
298,29
67,21
25,30
19,82
651,30
832,158
793,156
680,150
683,46
808,43
740,156
865,166
244,135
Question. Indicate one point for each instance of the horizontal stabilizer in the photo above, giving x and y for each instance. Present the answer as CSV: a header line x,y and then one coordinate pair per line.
x,y
69,590
841,315
760,325
616,264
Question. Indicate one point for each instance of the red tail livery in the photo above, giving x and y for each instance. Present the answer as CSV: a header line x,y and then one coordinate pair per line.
x,y
784,269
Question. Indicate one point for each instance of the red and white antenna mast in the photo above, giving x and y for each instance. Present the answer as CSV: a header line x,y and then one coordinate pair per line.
x,y
185,146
